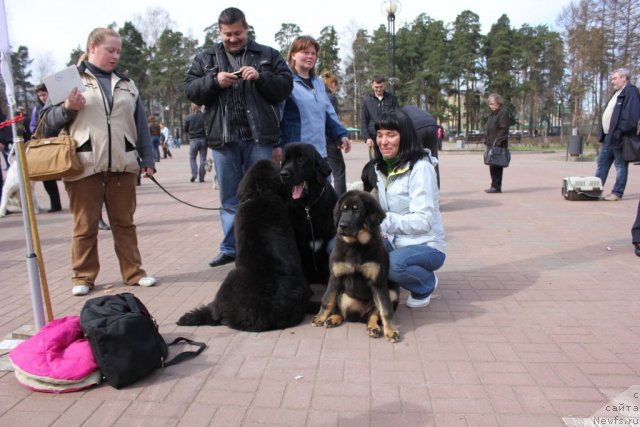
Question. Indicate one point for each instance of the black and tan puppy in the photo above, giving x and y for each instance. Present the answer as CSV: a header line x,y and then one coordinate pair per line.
x,y
358,289
311,204
266,290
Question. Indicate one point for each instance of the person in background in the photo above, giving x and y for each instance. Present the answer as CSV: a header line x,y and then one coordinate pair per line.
x,y
307,114
112,152
619,120
635,232
408,193
155,131
240,83
497,132
51,186
373,106
165,139
177,141
427,130
334,154
194,129
5,140
23,125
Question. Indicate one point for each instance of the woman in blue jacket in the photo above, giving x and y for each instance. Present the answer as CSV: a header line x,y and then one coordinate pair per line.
x,y
307,111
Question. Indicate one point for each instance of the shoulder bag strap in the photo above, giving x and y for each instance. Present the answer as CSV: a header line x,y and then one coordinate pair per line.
x,y
185,355
38,133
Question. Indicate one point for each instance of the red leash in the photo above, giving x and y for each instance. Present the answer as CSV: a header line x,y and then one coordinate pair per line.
x,y
9,122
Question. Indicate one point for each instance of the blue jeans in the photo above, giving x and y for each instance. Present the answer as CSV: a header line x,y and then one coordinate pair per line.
x,y
232,161
608,156
412,267
198,145
155,142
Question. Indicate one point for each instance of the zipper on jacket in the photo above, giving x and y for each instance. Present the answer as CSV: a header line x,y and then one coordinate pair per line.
x,y
108,114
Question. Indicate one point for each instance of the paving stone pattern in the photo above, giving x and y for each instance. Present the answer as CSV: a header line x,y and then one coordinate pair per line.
x,y
536,317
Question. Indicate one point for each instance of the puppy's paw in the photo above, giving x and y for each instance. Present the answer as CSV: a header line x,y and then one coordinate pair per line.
x,y
392,335
374,332
318,320
333,321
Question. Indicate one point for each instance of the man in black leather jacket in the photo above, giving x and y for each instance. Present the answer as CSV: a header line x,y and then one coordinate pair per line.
x,y
373,106
240,83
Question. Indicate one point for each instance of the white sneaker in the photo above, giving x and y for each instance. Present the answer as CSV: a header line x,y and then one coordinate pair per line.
x,y
81,290
417,303
147,281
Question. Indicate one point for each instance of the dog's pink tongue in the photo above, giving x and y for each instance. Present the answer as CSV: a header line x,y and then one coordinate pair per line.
x,y
297,191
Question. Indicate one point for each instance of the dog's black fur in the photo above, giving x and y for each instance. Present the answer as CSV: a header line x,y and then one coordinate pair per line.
x,y
311,204
267,289
368,176
358,287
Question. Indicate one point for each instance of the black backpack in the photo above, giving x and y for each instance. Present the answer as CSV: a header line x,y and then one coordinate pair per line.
x,y
125,340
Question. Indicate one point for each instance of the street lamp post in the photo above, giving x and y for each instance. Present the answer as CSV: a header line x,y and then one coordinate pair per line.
x,y
390,8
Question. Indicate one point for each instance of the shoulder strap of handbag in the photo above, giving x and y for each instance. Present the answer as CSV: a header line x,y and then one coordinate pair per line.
x,y
185,355
38,133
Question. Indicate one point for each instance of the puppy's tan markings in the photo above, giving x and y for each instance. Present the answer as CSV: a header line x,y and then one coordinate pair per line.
x,y
373,327
334,320
364,236
351,305
349,239
391,332
329,302
393,296
370,270
342,268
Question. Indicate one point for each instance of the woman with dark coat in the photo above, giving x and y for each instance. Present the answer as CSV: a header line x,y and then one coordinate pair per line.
x,y
497,130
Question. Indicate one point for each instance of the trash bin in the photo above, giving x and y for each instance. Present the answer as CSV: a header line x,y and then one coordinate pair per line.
x,y
575,145
460,143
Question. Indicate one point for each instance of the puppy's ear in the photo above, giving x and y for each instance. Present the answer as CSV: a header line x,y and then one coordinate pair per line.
x,y
323,170
369,174
337,212
374,213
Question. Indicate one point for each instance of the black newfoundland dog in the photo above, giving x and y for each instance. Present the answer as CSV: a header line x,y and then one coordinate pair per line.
x,y
358,289
311,204
267,289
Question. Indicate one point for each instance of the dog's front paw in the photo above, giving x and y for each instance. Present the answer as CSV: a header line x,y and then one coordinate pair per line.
x,y
392,335
333,321
374,332
318,320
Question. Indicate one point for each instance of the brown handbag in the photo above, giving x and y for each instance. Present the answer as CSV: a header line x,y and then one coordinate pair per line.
x,y
52,158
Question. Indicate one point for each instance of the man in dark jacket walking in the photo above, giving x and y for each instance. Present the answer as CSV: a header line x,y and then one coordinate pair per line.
x,y
240,84
372,108
619,120
194,129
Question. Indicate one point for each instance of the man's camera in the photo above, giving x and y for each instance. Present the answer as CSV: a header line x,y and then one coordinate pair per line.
x,y
238,74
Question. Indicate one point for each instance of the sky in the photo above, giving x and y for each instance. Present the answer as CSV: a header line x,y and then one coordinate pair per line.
x,y
52,29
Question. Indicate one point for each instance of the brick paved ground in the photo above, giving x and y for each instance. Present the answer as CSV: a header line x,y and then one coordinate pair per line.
x,y
535,319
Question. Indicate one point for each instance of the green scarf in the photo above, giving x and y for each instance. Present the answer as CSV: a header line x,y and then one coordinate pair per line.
x,y
390,164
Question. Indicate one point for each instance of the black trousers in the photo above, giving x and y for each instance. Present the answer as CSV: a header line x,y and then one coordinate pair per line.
x,y
54,194
496,177
635,230
338,168
429,138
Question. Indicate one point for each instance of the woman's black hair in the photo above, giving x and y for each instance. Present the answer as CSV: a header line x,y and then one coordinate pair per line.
x,y
410,150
